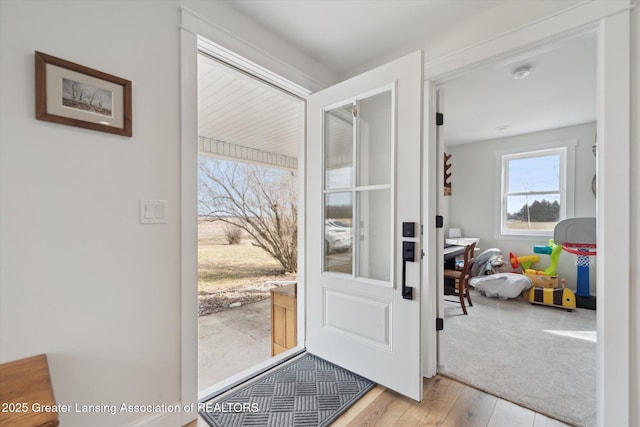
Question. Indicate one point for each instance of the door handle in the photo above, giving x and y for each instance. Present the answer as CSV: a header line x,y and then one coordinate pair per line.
x,y
408,255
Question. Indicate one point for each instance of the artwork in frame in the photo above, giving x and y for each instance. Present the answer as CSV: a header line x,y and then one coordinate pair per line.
x,y
76,95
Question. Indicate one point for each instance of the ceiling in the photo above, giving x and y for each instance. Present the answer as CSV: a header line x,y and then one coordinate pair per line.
x,y
344,35
236,109
560,91
488,103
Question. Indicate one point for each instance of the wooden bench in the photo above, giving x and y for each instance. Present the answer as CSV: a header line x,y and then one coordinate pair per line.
x,y
26,394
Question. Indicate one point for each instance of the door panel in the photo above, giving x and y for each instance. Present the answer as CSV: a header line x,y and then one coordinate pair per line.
x,y
353,315
364,142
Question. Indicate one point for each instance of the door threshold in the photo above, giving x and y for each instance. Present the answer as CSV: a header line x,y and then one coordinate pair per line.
x,y
227,384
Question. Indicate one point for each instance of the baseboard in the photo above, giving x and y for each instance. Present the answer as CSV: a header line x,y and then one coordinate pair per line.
x,y
172,417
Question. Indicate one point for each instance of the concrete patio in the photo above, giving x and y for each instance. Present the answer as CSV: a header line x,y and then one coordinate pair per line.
x,y
233,340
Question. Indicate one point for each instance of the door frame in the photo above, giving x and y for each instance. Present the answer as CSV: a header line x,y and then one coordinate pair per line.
x,y
215,53
193,26
610,21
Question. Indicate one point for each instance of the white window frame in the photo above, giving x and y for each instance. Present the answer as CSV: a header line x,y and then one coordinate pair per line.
x,y
566,151
355,189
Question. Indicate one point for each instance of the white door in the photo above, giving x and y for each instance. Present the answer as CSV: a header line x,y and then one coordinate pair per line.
x,y
364,142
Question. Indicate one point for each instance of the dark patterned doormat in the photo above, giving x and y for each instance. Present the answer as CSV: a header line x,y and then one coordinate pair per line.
x,y
308,391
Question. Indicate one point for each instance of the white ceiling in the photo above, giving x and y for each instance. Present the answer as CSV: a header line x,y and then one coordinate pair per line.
x,y
346,34
238,109
560,91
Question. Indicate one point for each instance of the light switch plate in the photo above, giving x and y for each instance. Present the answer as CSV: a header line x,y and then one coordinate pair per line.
x,y
153,211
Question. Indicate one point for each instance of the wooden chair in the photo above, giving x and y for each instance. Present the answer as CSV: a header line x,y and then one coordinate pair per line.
x,y
462,276
25,389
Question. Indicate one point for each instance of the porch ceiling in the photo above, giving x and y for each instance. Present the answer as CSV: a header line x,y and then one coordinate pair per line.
x,y
241,117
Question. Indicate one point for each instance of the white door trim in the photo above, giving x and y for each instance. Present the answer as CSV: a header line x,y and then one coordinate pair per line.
x,y
611,22
432,279
240,48
188,223
194,27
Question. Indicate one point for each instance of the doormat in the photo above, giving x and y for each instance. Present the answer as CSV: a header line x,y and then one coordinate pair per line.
x,y
308,391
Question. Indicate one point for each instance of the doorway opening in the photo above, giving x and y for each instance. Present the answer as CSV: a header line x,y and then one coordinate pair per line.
x,y
249,136
547,356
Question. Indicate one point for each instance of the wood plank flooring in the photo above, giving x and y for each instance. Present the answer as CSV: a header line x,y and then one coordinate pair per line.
x,y
446,402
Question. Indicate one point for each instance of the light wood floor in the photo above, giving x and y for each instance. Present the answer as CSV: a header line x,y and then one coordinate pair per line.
x,y
446,403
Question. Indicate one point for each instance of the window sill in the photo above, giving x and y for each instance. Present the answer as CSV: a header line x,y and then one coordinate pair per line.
x,y
531,237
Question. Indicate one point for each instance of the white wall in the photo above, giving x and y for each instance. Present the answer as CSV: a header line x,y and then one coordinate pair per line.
x,y
472,205
80,278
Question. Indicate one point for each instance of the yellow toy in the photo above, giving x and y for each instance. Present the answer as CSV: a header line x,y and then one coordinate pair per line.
x,y
542,281
551,249
555,297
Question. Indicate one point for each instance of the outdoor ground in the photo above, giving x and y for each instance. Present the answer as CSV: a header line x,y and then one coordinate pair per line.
x,y
229,275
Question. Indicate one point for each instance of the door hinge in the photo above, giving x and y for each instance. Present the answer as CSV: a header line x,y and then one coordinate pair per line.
x,y
439,221
421,229
439,323
439,119
354,111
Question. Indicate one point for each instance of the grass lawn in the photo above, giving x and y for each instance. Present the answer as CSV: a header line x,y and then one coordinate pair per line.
x,y
523,225
221,265
232,274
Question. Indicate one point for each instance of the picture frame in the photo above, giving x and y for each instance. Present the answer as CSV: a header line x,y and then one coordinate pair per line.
x,y
72,94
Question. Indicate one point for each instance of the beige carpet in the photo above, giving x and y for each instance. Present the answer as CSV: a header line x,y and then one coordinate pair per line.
x,y
503,347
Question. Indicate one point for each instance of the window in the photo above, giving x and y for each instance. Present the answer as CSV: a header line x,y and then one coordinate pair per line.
x,y
536,190
358,187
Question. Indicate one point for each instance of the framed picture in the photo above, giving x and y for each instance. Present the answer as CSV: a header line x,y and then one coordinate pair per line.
x,y
76,95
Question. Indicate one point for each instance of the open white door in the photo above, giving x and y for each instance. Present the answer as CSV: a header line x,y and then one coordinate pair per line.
x,y
364,142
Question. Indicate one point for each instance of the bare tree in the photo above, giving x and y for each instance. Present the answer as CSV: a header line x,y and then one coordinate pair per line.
x,y
91,97
260,200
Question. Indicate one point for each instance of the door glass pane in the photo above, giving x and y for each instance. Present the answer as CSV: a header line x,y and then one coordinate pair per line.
x,y
375,140
374,231
338,241
338,156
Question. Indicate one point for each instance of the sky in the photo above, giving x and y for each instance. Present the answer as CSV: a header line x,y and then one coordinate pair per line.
x,y
533,174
